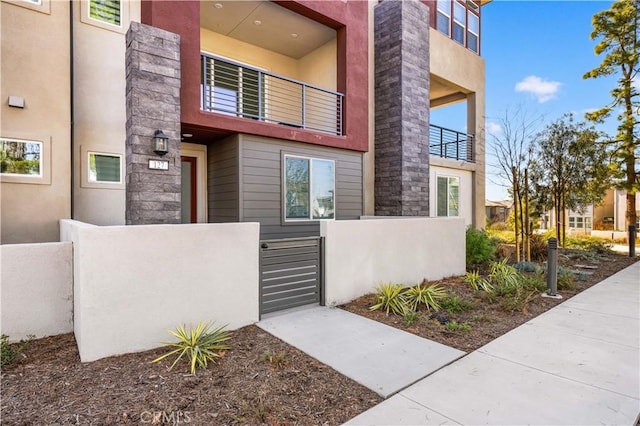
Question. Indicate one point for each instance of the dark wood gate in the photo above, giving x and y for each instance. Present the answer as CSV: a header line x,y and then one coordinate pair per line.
x,y
290,273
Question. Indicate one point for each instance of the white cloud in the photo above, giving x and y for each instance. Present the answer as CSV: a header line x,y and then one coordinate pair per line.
x,y
493,129
543,90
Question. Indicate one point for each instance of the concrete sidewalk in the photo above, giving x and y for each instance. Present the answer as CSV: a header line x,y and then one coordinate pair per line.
x,y
380,357
577,364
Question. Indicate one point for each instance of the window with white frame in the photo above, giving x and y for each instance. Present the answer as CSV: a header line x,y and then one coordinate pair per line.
x,y
459,22
20,157
107,11
580,222
448,196
104,168
443,16
473,33
309,188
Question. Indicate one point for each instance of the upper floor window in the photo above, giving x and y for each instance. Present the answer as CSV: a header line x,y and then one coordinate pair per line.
x,y
459,20
108,11
443,20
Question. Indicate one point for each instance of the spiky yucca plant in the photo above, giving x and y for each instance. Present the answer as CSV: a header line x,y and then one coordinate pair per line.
x,y
390,298
425,293
201,345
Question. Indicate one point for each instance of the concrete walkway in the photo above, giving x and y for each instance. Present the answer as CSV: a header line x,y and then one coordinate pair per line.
x,y
380,357
576,364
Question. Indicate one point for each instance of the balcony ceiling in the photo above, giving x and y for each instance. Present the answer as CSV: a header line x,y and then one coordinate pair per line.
x,y
265,24
443,92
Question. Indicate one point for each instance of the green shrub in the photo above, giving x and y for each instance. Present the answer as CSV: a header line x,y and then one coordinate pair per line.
x,y
410,317
517,298
503,276
390,298
458,326
454,305
10,352
526,267
538,246
591,244
565,279
477,283
277,360
426,294
201,345
480,247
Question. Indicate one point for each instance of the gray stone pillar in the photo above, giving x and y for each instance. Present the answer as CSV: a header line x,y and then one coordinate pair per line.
x,y
402,108
153,103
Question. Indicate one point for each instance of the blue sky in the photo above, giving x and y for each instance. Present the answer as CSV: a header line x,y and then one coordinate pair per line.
x,y
535,55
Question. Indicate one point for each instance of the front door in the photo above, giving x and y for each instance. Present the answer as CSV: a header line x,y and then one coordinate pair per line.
x,y
189,190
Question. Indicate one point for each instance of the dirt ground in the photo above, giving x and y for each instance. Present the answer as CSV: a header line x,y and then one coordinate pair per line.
x,y
260,380
488,320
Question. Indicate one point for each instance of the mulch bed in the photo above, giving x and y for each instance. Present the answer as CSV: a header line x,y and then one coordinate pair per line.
x,y
488,319
50,386
260,380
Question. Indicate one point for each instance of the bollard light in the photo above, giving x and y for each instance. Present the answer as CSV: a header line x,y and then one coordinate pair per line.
x,y
552,270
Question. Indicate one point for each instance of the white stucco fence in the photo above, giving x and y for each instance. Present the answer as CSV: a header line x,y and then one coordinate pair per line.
x,y
37,289
360,255
133,283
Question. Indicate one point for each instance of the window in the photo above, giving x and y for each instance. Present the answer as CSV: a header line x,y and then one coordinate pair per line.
x,y
232,89
459,22
448,196
473,32
587,222
104,168
309,188
108,11
20,157
443,17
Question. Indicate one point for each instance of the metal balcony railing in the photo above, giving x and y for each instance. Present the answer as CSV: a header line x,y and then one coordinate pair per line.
x,y
231,88
447,143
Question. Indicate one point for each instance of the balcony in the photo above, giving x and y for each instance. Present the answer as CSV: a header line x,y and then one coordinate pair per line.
x,y
238,90
450,144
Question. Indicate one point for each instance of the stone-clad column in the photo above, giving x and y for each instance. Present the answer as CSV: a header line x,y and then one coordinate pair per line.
x,y
153,103
402,108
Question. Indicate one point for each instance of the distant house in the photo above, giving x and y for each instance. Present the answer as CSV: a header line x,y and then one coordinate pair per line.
x,y
498,211
608,215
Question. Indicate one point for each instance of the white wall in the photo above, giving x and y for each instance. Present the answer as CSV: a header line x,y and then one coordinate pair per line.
x,y
466,188
133,283
37,289
360,255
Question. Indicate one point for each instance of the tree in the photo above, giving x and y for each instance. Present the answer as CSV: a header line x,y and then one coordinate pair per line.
x,y
618,30
511,152
569,168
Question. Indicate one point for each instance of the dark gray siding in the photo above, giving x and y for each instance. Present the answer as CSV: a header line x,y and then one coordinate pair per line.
x,y
261,184
222,180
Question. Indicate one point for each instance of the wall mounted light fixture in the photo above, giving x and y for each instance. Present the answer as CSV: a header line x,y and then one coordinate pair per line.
x,y
160,143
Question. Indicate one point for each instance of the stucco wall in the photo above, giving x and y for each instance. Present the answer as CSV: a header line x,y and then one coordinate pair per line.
x,y
465,176
37,289
458,65
360,255
35,66
99,110
133,283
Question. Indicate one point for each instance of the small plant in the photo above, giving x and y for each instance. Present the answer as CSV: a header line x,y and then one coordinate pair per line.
x,y
11,352
454,305
477,282
425,293
201,345
390,298
480,247
410,317
458,326
503,276
277,360
526,267
517,299
565,279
